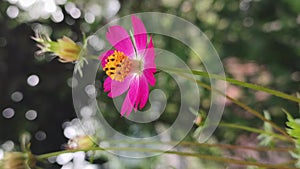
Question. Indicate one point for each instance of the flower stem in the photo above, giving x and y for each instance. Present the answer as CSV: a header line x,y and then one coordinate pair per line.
x,y
253,130
237,82
195,144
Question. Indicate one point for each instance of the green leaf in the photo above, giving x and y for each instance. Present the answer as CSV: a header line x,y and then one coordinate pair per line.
x,y
294,131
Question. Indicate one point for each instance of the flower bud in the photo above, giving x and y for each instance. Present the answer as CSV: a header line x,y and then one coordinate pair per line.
x,y
65,48
17,160
198,120
80,142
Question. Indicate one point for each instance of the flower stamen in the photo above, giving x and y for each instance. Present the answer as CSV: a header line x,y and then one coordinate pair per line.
x,y
118,66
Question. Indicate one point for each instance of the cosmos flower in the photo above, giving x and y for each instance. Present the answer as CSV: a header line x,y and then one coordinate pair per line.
x,y
130,67
65,48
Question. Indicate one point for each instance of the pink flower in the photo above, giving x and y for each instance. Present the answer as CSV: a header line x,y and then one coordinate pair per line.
x,y
130,67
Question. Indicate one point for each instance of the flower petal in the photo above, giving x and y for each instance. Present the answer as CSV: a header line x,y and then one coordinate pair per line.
x,y
133,92
130,99
126,107
104,56
140,33
119,38
150,56
118,88
107,84
143,93
149,75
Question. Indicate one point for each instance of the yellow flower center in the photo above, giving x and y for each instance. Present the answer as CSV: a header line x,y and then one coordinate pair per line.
x,y
118,66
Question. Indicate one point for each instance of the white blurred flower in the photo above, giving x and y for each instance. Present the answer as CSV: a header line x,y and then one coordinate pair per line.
x,y
74,161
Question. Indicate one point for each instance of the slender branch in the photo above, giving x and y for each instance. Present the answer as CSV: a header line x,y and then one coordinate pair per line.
x,y
187,143
237,82
254,130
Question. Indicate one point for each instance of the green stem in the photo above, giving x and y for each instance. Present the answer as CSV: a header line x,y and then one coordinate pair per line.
x,y
92,57
207,157
187,143
254,130
244,106
237,82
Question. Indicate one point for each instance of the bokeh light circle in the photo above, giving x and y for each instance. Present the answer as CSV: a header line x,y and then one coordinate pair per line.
x,y
31,115
8,113
33,80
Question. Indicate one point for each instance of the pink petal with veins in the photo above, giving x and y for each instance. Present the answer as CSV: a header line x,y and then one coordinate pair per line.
x,y
140,33
143,93
119,38
130,99
116,88
149,57
149,75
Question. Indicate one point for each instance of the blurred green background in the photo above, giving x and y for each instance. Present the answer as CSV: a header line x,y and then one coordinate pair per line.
x,y
258,41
